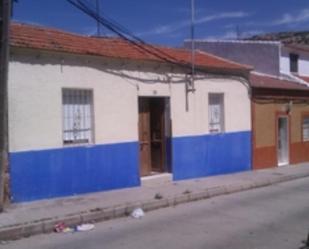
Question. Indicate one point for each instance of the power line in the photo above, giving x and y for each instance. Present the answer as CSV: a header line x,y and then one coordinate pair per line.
x,y
127,35
122,30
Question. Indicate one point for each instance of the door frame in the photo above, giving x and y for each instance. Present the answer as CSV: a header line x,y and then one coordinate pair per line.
x,y
143,158
287,116
166,150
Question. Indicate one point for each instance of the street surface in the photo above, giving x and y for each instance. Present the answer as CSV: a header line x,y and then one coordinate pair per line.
x,y
272,217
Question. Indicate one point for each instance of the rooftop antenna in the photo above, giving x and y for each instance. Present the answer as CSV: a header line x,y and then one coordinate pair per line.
x,y
238,32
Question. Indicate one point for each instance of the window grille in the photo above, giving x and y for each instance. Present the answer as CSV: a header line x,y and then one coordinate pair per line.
x,y
216,112
306,128
77,112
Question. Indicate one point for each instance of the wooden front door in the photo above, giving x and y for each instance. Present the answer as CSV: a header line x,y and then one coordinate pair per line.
x,y
144,137
152,137
157,134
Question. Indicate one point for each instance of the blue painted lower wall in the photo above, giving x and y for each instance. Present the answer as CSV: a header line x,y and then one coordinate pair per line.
x,y
75,170
199,156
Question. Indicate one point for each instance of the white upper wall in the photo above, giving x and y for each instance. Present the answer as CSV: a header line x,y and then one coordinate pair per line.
x,y
35,98
303,61
237,112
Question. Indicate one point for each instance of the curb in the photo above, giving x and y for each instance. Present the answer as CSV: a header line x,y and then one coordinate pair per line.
x,y
95,215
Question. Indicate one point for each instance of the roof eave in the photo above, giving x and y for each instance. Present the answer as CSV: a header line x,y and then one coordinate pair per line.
x,y
243,72
279,93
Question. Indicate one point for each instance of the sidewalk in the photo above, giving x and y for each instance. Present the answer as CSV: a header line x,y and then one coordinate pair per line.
x,y
22,220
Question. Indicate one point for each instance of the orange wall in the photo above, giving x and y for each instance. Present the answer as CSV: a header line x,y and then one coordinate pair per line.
x,y
265,137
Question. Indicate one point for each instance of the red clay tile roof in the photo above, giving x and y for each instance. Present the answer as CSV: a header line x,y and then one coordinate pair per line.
x,y
37,37
305,78
265,81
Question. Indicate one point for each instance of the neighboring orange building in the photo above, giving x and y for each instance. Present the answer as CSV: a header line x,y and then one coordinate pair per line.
x,y
280,121
279,94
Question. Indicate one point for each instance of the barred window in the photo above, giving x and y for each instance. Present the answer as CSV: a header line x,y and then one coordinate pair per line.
x,y
306,128
216,112
77,105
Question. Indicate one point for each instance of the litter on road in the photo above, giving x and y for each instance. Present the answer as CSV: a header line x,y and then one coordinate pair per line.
x,y
63,228
84,227
137,213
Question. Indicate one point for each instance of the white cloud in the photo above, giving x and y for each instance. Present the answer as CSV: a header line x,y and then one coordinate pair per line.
x,y
224,15
287,18
232,35
250,33
229,35
165,29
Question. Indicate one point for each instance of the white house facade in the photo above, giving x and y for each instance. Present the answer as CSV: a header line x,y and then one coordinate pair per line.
x,y
295,59
82,122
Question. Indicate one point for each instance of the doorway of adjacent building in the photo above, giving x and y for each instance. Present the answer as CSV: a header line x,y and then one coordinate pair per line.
x,y
154,135
283,140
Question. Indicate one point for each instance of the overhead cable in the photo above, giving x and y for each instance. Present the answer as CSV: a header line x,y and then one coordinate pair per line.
x,y
125,34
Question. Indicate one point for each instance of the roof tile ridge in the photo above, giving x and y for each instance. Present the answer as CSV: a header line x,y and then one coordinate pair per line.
x,y
237,41
296,80
248,67
48,28
266,75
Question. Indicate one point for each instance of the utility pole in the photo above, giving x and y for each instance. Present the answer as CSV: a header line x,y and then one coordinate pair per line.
x,y
98,22
190,84
5,15
192,43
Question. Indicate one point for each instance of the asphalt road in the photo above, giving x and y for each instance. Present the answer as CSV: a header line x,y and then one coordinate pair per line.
x,y
272,217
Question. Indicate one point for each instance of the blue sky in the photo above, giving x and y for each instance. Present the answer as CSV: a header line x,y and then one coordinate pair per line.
x,y
167,21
